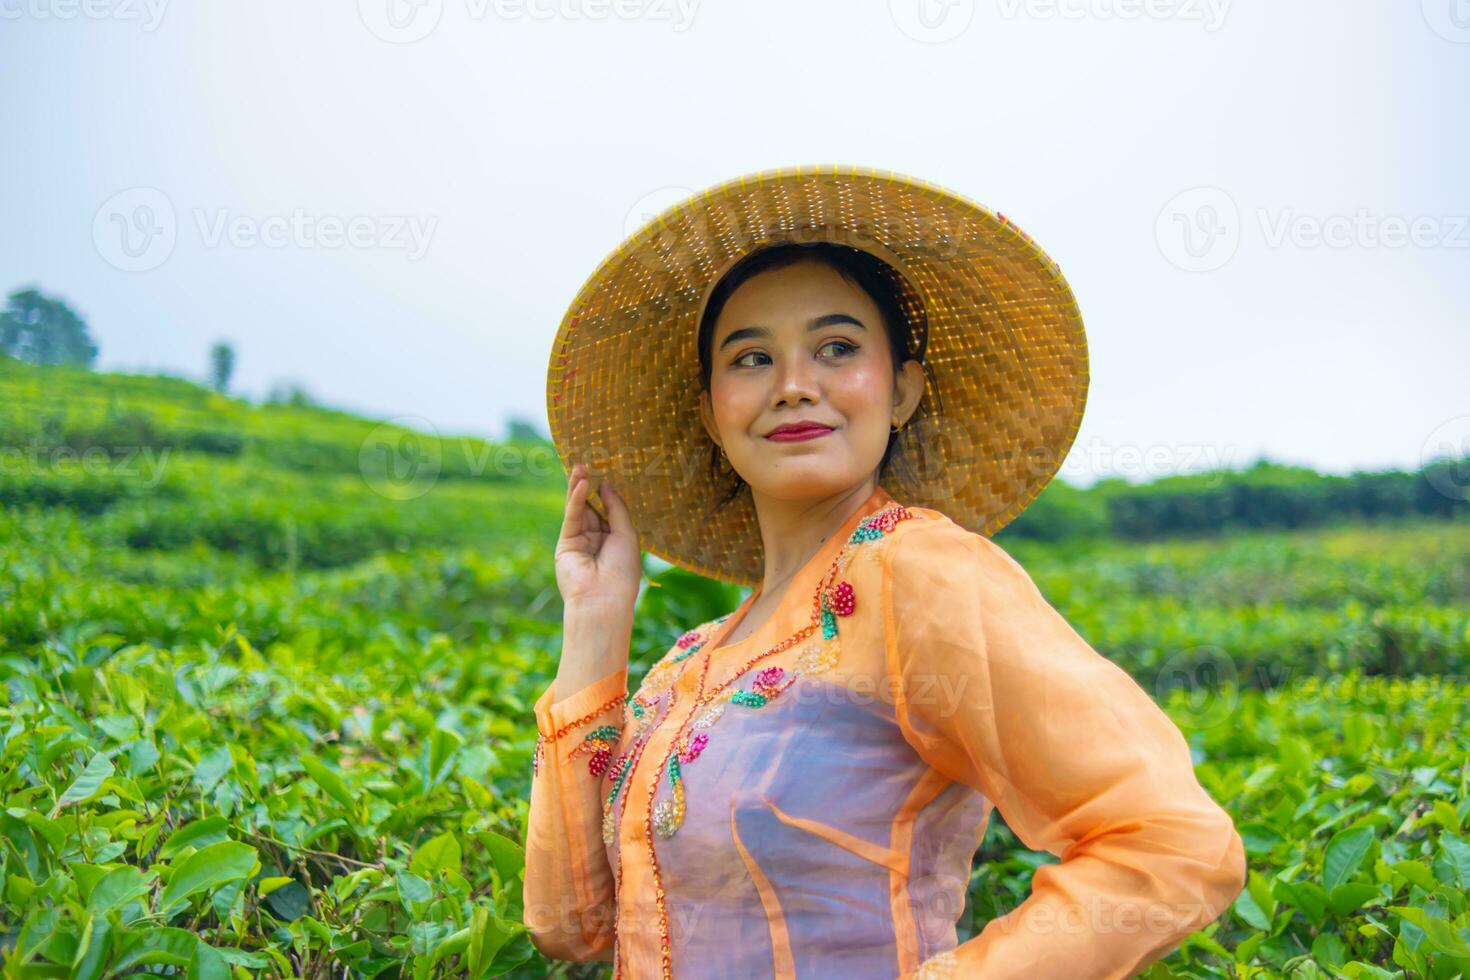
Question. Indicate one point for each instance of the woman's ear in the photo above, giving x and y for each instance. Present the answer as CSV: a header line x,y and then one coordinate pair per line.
x,y
908,389
706,415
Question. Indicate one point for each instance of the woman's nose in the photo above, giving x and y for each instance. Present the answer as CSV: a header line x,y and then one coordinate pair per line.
x,y
795,378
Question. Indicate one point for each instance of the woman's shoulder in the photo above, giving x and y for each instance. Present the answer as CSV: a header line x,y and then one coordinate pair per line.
x,y
933,543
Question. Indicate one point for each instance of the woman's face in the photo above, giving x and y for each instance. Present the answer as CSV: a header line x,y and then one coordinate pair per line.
x,y
802,344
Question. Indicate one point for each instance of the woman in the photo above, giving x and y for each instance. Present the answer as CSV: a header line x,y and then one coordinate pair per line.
x,y
797,788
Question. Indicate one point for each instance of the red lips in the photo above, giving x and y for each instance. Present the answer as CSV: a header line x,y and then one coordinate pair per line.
x,y
795,431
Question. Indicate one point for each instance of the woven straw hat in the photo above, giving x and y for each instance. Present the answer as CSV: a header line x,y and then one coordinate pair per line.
x,y
1006,352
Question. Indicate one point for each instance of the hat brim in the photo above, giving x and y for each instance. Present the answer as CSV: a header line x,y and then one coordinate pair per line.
x,y
1006,352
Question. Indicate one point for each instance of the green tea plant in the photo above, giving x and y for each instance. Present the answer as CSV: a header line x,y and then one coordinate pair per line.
x,y
266,715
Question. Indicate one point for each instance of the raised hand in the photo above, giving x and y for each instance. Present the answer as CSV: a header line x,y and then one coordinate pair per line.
x,y
598,563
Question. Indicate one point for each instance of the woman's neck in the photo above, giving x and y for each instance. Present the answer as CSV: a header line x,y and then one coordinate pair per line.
x,y
792,531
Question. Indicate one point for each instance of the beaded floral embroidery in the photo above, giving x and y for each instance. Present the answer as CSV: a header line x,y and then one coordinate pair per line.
x,y
687,646
599,742
832,599
644,707
644,710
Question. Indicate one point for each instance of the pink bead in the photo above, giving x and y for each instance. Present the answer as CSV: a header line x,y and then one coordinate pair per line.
x,y
769,677
696,746
886,520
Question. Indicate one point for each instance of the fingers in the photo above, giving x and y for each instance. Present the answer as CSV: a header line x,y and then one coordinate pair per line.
x,y
581,518
572,522
617,512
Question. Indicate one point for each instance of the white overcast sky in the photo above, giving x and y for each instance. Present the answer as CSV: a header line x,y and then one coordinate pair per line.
x,y
520,140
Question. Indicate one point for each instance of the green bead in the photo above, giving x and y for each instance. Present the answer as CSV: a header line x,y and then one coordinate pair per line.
x,y
748,699
618,783
829,623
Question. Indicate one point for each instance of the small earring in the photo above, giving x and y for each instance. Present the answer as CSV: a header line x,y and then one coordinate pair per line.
x,y
892,428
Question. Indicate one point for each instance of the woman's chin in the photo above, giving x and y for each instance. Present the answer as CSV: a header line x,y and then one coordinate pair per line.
x,y
805,477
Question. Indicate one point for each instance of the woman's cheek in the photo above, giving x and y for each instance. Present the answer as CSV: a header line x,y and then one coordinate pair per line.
x,y
736,406
862,390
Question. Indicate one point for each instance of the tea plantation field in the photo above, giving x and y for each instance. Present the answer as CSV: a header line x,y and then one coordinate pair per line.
x,y
267,704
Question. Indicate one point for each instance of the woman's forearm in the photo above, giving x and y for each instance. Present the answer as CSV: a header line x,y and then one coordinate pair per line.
x,y
595,642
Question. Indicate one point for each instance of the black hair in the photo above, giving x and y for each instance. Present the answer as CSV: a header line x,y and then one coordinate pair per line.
x,y
904,321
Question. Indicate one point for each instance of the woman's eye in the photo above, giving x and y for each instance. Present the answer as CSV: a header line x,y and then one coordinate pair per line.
x,y
743,359
840,343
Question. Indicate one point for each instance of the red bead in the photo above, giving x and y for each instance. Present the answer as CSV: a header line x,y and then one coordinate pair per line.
x,y
599,761
689,638
843,599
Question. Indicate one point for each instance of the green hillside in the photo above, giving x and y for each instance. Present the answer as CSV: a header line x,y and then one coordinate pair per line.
x,y
269,672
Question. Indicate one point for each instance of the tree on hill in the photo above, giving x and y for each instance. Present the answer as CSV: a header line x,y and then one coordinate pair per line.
x,y
289,392
524,430
221,365
42,329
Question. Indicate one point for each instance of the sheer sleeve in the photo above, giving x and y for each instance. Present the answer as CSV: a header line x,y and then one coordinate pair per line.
x,y
569,906
996,690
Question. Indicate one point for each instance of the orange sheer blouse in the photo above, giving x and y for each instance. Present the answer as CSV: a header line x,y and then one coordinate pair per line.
x,y
807,801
